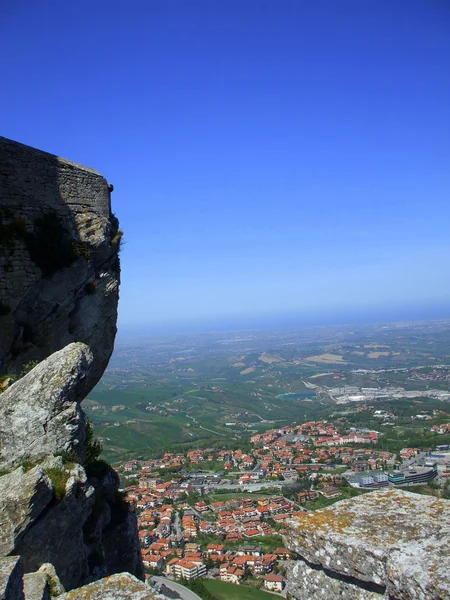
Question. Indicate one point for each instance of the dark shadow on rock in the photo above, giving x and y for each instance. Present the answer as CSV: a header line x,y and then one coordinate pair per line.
x,y
59,265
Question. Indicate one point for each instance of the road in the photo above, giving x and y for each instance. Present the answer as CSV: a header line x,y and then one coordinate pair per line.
x,y
176,587
201,427
257,467
176,525
248,487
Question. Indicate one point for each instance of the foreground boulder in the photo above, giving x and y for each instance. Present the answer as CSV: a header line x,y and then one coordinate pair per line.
x,y
83,527
35,586
40,414
11,578
389,543
23,498
122,586
14,585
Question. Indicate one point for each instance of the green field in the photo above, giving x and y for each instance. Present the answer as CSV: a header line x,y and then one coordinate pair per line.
x,y
183,392
170,413
228,591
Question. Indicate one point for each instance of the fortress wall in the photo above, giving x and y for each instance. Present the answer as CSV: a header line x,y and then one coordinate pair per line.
x,y
59,270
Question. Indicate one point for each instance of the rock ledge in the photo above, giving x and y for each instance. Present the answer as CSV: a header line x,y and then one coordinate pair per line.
x,y
395,541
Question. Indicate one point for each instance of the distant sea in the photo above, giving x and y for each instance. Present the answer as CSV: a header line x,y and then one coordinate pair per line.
x,y
324,318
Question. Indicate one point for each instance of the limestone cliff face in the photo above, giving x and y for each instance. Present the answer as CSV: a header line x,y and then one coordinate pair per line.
x,y
86,533
41,414
59,265
60,508
57,511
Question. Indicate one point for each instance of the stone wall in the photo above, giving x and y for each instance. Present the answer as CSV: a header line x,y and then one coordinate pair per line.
x,y
59,266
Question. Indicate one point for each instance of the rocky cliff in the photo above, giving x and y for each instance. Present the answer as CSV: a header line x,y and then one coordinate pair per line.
x,y
59,265
387,544
61,511
43,585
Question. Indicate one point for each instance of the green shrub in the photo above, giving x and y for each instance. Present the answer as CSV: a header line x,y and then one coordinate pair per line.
x,y
59,478
116,240
92,445
28,367
27,465
199,588
6,381
53,587
69,458
80,249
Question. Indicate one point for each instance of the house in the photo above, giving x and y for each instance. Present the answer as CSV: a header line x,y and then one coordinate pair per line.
x,y
307,496
201,506
215,548
252,532
274,583
253,550
262,510
264,564
283,517
282,553
185,569
153,562
331,492
218,506
231,574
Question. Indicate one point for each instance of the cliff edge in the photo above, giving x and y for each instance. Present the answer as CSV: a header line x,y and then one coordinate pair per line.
x,y
59,264
63,521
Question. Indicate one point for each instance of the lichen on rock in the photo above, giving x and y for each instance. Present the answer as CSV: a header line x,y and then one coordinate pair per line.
x,y
117,587
395,542
40,414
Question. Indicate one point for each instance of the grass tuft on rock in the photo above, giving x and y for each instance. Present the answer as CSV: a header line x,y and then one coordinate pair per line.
x,y
59,479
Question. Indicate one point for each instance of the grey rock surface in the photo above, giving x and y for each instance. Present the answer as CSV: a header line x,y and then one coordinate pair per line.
x,y
59,280
391,538
420,569
54,583
11,578
23,498
57,536
304,582
59,266
86,535
40,414
122,586
35,586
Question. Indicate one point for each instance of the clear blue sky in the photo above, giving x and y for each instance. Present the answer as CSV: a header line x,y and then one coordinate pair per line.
x,y
268,157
